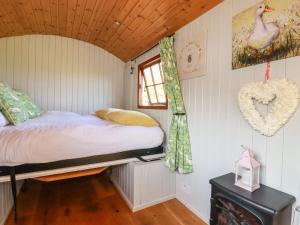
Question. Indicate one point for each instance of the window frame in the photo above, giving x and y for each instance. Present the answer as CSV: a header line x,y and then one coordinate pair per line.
x,y
148,63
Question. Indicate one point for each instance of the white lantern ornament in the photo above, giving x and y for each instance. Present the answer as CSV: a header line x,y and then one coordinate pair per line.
x,y
247,171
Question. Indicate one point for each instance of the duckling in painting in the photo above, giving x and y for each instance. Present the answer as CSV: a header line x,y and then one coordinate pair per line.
x,y
264,34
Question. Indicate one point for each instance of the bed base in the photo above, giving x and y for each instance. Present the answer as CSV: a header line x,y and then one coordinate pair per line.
x,y
12,171
71,175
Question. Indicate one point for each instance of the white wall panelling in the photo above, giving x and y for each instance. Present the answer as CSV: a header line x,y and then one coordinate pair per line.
x,y
59,74
216,125
130,89
65,74
62,73
6,200
144,184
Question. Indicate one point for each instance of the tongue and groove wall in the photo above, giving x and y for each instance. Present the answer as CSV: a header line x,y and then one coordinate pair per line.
x,y
217,127
59,74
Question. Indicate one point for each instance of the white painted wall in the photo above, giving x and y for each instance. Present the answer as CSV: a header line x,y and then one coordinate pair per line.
x,y
6,200
62,73
59,74
130,90
216,125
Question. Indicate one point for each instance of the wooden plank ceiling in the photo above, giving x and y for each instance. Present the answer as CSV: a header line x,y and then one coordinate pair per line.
x,y
143,22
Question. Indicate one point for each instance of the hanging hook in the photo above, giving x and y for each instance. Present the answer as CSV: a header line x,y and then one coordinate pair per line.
x,y
131,68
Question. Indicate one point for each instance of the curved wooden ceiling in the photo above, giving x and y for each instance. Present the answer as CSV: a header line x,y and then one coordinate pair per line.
x,y
143,22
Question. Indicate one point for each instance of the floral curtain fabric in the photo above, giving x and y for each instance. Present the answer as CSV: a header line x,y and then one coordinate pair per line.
x,y
179,154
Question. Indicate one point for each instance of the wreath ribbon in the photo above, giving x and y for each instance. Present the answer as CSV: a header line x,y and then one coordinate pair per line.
x,y
267,74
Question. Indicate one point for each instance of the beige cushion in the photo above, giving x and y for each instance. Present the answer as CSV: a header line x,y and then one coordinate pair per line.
x,y
102,113
131,118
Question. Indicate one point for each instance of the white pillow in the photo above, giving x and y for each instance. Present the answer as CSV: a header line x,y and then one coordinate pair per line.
x,y
3,120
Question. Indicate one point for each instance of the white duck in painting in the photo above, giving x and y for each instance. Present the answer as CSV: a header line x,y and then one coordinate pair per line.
x,y
264,34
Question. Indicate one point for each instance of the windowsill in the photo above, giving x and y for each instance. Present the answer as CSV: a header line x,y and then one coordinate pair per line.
x,y
158,107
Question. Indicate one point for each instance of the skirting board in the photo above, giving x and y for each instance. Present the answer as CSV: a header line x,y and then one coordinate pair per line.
x,y
196,212
149,204
123,195
142,206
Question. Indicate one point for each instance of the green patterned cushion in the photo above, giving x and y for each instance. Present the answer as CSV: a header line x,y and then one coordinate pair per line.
x,y
32,109
11,106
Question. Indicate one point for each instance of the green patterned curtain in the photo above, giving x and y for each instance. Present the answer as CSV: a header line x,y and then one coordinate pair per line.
x,y
178,154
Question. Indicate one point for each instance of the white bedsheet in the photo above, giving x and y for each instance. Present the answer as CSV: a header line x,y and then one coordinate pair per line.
x,y
64,135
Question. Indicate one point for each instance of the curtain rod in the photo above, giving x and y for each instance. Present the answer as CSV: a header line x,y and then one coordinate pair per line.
x,y
149,49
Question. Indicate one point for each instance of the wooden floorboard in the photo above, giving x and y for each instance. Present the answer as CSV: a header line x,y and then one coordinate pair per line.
x,y
91,200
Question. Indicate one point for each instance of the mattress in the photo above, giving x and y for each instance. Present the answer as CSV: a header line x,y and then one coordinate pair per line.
x,y
57,136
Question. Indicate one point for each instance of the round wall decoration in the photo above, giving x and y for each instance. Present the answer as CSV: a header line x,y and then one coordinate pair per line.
x,y
189,57
281,95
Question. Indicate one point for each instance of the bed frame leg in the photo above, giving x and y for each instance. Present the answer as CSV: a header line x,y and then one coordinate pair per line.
x,y
14,190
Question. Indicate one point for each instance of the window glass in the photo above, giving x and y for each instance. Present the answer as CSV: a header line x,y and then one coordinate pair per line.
x,y
145,98
151,92
161,71
156,74
148,76
160,93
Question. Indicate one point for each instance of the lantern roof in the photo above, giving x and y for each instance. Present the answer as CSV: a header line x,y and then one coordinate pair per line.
x,y
247,160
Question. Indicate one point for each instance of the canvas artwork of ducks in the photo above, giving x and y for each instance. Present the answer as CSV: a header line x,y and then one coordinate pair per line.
x,y
264,34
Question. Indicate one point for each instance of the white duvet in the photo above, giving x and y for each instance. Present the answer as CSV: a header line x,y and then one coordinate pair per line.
x,y
64,135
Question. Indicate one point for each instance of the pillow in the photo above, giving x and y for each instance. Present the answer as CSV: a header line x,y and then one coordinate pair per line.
x,y
32,109
102,113
131,118
11,106
3,120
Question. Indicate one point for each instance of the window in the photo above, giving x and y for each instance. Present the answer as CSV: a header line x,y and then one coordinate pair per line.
x,y
151,92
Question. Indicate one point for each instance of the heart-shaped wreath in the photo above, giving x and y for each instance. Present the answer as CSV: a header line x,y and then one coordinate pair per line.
x,y
284,96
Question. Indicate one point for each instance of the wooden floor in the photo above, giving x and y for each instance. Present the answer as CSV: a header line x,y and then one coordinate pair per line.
x,y
89,201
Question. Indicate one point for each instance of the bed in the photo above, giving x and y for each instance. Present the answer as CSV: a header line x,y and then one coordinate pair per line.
x,y
60,142
64,135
